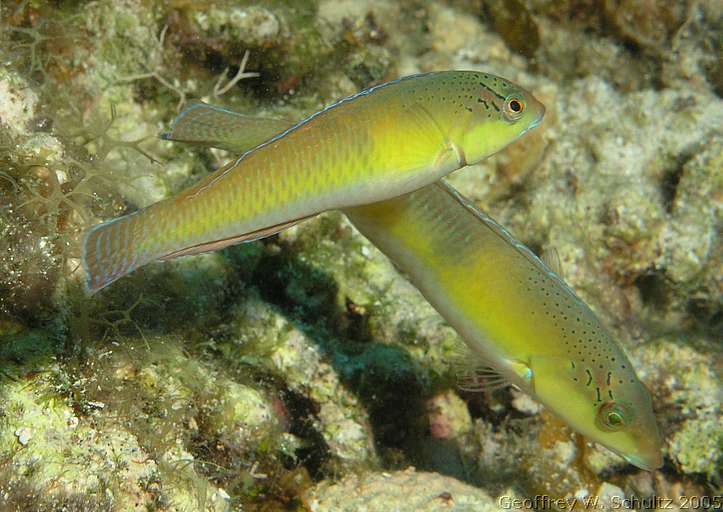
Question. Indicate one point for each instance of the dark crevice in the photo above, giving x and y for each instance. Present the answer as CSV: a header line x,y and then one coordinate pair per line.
x,y
385,378
672,177
669,187
707,313
653,289
302,412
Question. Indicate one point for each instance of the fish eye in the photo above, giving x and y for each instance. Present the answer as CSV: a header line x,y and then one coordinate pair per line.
x,y
514,107
613,416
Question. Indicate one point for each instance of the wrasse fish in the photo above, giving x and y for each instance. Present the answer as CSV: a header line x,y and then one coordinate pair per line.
x,y
514,312
377,144
516,316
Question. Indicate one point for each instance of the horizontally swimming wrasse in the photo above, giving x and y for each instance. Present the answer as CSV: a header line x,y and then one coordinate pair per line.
x,y
377,144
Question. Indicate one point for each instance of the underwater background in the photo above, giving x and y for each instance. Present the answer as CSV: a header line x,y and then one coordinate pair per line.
x,y
303,372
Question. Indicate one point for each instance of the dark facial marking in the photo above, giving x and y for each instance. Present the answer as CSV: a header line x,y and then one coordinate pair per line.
x,y
492,91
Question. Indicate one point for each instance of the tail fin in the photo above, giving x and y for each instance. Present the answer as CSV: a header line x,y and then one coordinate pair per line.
x,y
109,251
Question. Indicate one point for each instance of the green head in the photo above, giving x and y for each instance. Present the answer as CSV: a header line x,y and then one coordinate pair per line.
x,y
595,390
486,113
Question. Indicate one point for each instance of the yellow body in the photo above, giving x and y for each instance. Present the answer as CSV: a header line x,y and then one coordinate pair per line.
x,y
380,143
516,315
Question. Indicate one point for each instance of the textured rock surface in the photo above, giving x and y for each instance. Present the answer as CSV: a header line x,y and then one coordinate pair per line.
x,y
402,491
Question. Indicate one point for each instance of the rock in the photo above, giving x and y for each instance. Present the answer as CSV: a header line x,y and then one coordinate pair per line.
x,y
687,392
265,335
250,26
650,24
402,491
516,25
18,103
448,416
615,183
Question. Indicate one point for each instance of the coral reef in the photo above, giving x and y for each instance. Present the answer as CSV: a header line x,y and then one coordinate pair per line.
x,y
303,372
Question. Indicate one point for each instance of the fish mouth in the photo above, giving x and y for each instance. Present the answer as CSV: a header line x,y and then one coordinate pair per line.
x,y
540,117
534,124
538,120
647,463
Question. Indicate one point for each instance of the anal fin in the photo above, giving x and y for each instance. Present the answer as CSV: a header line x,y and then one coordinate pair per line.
x,y
216,245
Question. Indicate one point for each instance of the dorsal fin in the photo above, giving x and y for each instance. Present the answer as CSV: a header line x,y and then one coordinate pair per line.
x,y
214,126
499,230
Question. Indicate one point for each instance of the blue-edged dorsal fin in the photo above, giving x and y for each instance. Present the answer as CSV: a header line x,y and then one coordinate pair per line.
x,y
214,126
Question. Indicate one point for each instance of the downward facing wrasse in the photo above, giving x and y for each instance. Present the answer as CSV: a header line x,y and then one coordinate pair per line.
x,y
380,143
516,316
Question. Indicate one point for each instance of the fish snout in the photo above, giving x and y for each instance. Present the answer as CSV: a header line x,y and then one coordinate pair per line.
x,y
649,462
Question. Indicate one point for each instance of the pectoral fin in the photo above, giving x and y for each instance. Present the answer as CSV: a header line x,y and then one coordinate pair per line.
x,y
425,143
474,373
551,258
479,378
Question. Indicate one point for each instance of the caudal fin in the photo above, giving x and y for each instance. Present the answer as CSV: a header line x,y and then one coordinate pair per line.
x,y
117,247
110,251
